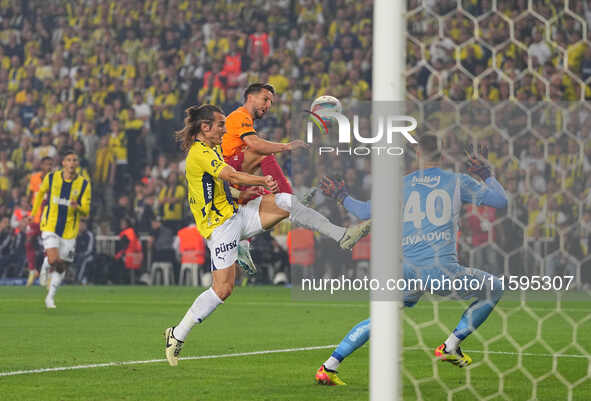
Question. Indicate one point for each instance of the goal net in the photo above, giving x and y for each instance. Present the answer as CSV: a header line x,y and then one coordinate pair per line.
x,y
511,75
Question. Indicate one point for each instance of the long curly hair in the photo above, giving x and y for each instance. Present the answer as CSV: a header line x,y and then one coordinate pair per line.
x,y
194,117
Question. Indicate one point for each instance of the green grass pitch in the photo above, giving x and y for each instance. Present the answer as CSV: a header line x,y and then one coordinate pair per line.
x,y
93,325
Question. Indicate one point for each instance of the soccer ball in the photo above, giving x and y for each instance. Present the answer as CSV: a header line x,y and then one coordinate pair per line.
x,y
326,103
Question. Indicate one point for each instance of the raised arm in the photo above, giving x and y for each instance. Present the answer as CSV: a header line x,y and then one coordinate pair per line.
x,y
359,209
491,192
335,188
495,194
265,147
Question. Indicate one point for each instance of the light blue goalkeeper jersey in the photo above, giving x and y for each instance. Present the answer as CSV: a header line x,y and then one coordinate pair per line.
x,y
431,209
432,202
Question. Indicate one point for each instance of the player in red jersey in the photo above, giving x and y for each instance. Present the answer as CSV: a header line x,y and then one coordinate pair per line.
x,y
244,149
33,231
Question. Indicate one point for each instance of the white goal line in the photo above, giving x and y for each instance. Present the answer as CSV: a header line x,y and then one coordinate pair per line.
x,y
264,352
187,358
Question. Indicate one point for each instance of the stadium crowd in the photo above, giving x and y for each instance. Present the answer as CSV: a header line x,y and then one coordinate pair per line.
x,y
112,78
508,82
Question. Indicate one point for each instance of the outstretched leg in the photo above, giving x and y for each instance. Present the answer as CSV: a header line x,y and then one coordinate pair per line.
x,y
479,310
354,339
275,208
473,316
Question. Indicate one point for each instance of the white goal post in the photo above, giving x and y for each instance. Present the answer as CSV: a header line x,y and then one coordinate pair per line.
x,y
388,85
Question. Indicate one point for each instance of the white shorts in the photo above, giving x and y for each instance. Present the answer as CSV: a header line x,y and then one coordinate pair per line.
x,y
223,241
66,247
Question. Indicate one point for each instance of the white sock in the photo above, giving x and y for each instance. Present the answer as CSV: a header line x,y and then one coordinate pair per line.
x,y
332,363
56,280
203,306
308,218
452,343
44,274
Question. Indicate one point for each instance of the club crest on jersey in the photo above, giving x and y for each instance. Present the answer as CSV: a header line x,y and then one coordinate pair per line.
x,y
224,247
430,181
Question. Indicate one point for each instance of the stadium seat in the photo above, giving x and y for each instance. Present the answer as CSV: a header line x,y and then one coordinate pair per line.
x,y
205,278
166,273
191,260
193,270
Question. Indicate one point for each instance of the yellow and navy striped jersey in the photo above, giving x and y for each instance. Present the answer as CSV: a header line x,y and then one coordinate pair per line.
x,y
209,196
58,217
118,145
172,211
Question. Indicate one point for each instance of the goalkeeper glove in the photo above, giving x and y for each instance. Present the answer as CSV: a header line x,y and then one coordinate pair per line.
x,y
333,188
476,161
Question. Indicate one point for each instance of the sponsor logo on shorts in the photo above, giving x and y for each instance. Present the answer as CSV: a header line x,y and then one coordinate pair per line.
x,y
225,247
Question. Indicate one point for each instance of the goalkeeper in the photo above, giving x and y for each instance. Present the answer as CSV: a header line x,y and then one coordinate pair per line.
x,y
432,202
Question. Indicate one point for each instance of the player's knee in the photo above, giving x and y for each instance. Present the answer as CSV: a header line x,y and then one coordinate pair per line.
x,y
53,259
284,201
223,290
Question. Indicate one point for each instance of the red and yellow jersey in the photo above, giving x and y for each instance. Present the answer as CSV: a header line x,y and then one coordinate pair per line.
x,y
238,125
172,211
